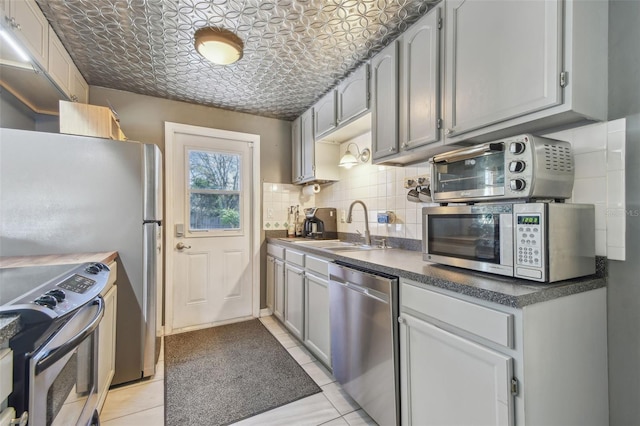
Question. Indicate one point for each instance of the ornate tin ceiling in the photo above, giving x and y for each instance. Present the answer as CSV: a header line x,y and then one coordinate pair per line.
x,y
294,50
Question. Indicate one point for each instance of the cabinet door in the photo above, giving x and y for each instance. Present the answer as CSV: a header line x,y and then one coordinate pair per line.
x,y
420,83
503,60
271,281
384,102
278,308
353,95
107,345
448,380
30,27
296,151
325,114
79,88
307,145
317,334
294,300
60,65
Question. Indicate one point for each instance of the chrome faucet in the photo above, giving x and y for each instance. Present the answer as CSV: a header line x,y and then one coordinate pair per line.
x,y
367,234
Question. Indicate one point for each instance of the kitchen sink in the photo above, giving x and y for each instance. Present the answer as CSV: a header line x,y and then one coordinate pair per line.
x,y
336,245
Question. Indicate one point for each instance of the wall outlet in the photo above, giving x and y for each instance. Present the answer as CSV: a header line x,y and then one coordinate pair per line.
x,y
269,213
343,216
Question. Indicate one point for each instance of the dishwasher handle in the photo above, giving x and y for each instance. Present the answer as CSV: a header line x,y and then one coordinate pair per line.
x,y
380,297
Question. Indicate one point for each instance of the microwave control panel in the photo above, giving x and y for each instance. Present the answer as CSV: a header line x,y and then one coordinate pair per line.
x,y
528,240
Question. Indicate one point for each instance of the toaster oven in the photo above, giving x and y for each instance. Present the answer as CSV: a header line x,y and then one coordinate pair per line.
x,y
524,167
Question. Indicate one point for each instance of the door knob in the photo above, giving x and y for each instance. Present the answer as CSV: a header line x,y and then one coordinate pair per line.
x,y
182,246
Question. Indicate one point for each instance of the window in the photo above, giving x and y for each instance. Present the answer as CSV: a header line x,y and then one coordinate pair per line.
x,y
214,190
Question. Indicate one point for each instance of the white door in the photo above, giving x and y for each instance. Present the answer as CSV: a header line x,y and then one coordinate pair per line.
x,y
210,259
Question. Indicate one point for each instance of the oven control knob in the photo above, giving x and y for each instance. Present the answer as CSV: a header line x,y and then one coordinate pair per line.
x,y
46,300
57,293
93,269
517,184
517,166
517,147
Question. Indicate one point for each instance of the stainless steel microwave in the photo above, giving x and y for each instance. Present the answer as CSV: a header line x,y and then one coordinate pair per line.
x,y
521,167
543,242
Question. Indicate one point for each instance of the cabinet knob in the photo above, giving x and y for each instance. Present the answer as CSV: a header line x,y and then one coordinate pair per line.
x,y
391,149
448,132
404,145
400,320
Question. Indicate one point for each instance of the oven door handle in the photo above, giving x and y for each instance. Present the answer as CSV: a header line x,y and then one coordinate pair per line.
x,y
56,354
467,153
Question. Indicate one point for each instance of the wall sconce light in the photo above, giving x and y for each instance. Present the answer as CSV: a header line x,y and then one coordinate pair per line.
x,y
218,45
349,160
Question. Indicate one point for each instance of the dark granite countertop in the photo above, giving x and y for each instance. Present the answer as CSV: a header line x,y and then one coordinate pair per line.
x,y
9,327
407,264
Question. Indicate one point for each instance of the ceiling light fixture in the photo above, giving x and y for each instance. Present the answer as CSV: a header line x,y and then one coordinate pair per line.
x,y
349,160
218,45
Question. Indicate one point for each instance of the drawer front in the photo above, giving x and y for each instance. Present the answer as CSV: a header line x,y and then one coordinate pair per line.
x,y
275,251
317,265
295,257
485,322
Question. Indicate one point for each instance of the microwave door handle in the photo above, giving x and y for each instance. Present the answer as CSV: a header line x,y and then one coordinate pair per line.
x,y
467,153
56,354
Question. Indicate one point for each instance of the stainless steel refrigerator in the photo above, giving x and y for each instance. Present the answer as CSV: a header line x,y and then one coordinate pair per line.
x,y
69,194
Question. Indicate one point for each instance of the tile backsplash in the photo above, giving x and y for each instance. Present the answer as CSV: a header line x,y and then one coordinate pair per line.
x,y
599,151
599,179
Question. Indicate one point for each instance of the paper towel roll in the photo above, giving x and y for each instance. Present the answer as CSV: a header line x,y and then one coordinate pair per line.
x,y
310,190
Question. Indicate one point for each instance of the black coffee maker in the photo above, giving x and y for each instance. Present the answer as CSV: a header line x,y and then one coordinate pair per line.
x,y
320,223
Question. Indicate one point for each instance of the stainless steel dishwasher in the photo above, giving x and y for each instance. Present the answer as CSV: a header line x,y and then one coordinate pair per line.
x,y
364,339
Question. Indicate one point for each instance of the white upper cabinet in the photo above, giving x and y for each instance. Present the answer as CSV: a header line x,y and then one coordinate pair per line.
x,y
296,150
60,66
307,143
384,102
325,114
79,91
353,95
312,161
420,83
30,27
59,79
523,66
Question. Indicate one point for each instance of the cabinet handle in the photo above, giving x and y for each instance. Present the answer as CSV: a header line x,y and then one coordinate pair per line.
x,y
391,149
448,132
404,145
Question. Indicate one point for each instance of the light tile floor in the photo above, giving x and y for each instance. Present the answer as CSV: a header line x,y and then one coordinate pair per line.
x,y
143,403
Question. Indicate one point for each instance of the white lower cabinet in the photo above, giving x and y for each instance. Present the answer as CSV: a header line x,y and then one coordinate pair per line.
x,y
294,300
271,282
301,297
466,361
107,338
279,296
316,313
453,381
